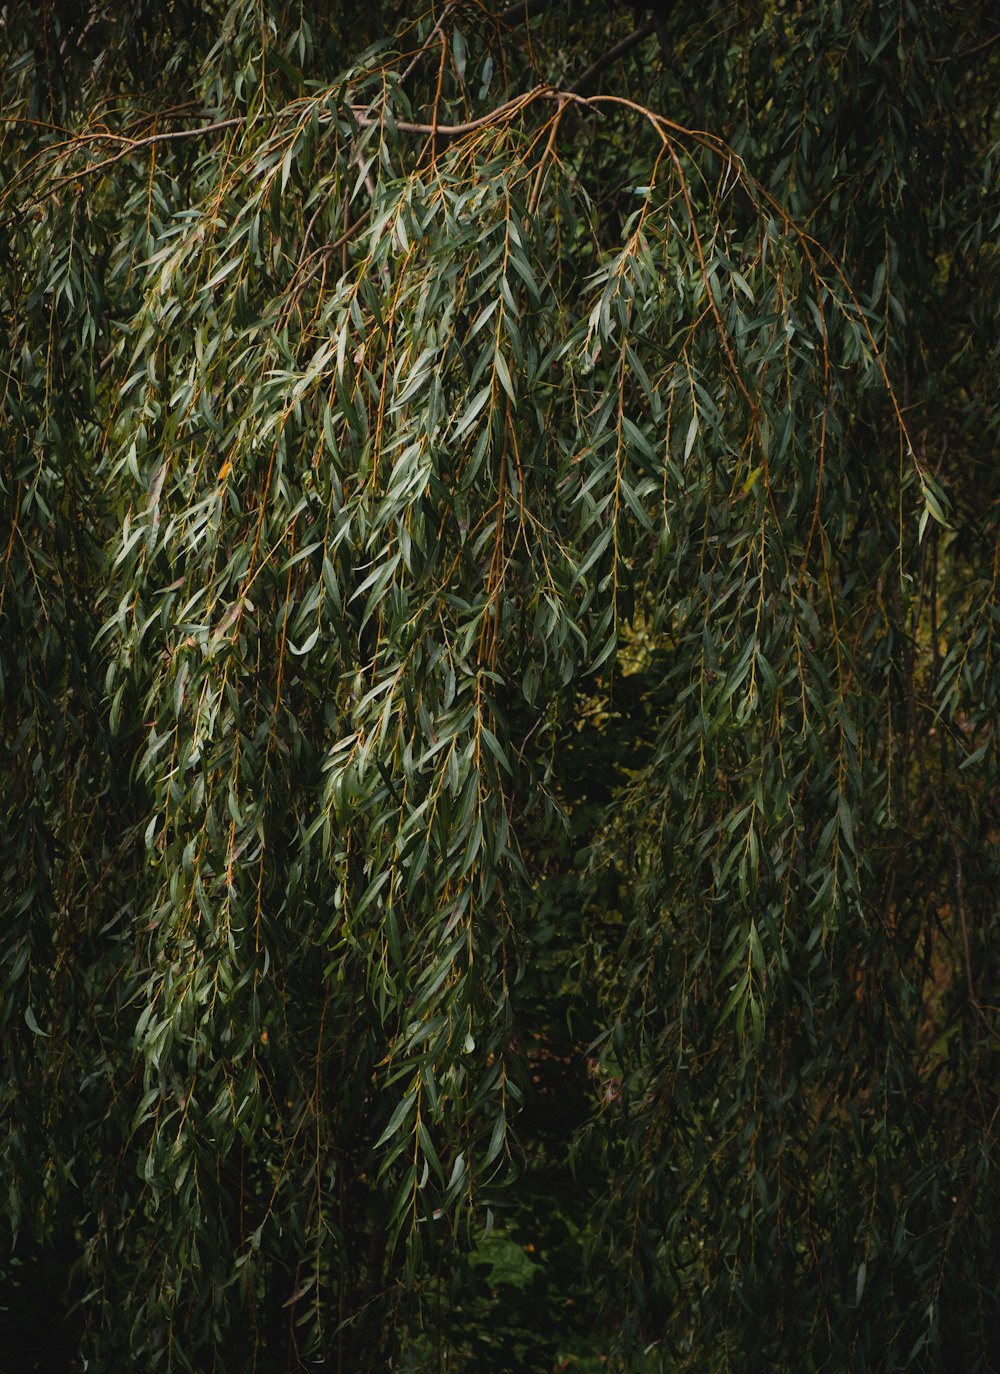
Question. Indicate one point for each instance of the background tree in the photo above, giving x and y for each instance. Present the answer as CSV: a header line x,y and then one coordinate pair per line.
x,y
499,674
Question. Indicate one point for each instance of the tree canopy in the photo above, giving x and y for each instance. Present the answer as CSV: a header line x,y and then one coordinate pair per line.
x,y
498,683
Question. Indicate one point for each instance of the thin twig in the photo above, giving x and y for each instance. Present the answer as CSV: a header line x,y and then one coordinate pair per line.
x,y
509,107
425,48
544,160
148,142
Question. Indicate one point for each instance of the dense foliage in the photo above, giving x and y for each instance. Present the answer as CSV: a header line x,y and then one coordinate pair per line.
x,y
498,672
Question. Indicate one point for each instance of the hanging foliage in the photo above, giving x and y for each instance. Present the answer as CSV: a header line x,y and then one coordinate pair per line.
x,y
498,674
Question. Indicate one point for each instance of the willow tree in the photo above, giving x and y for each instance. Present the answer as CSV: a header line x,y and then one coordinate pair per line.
x,y
500,556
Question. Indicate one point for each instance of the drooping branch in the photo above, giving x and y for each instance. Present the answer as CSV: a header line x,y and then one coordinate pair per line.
x,y
500,112
625,45
522,13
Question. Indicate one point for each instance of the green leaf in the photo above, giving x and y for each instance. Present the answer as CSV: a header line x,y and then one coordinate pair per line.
x,y
403,1111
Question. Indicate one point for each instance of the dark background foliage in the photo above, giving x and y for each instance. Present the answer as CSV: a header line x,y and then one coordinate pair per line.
x,y
498,681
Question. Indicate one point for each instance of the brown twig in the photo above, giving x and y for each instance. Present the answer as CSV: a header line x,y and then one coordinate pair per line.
x,y
148,142
425,48
544,160
509,107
